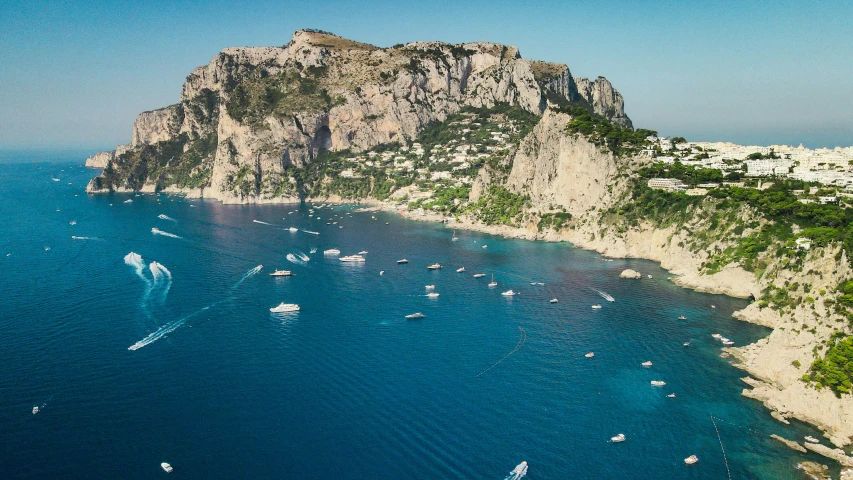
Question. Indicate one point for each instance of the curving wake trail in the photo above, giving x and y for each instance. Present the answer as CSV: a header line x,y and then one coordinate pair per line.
x,y
162,275
135,261
171,327
294,259
163,216
604,295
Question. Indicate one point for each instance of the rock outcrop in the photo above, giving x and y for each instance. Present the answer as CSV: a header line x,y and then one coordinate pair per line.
x,y
252,113
630,274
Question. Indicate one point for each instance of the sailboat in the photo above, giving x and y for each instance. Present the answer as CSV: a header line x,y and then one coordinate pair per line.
x,y
454,238
493,283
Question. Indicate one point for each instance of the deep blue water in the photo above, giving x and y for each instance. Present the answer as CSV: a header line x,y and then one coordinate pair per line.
x,y
347,388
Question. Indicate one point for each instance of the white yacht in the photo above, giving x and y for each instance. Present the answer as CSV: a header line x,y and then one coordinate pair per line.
x,y
434,266
314,250
728,342
647,364
168,468
479,275
509,293
332,252
485,246
671,395
363,252
618,438
402,261
432,295
493,283
293,229
352,258
682,317
717,336
429,287
520,470
460,269
811,439
281,273
691,459
285,307
554,300
657,383
589,355
415,315
596,307
35,409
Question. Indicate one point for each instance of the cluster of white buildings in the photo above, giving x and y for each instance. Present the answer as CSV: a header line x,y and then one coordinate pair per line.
x,y
823,165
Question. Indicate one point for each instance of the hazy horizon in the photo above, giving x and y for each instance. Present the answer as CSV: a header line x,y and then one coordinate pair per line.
x,y
76,75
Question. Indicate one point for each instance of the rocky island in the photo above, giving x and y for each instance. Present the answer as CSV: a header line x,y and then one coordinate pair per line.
x,y
476,135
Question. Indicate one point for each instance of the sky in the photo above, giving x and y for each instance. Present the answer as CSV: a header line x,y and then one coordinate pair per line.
x,y
74,74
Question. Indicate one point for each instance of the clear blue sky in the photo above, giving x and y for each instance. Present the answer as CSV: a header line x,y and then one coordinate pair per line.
x,y
74,74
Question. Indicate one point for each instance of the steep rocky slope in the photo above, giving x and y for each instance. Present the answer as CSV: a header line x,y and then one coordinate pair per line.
x,y
251,113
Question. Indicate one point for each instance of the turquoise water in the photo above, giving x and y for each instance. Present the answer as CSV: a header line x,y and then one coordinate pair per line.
x,y
347,387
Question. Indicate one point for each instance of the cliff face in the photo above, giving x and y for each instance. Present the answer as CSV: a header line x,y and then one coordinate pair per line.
x,y
251,113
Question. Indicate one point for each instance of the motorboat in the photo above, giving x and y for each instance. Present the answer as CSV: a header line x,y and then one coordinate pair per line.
x,y
686,344
589,355
434,266
520,470
671,395
596,307
554,300
281,273
618,438
129,200
363,252
332,252
649,276
728,342
168,468
35,409
381,272
691,459
724,339
716,336
682,317
402,261
313,250
657,383
285,307
352,258
713,306
809,439
429,287
509,293
460,269
479,275
293,229
415,315
432,295
485,246
647,364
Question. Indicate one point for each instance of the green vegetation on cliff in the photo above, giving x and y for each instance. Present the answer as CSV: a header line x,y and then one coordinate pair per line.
x,y
835,370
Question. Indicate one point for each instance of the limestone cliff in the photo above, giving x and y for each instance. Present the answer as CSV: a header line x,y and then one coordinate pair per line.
x,y
253,112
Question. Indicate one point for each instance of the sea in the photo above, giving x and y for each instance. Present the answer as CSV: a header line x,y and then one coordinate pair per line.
x,y
140,325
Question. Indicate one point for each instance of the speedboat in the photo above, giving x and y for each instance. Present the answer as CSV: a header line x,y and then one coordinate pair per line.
x,y
281,273
596,307
618,438
352,258
168,468
460,269
332,252
682,317
363,252
691,459
554,300
509,293
402,261
724,339
686,344
429,287
35,409
485,246
434,266
478,275
285,307
728,342
432,295
649,276
647,364
314,250
671,395
809,439
415,315
657,383
589,355
129,200
293,229
520,470
716,336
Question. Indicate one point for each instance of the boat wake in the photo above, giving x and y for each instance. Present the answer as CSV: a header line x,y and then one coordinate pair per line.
x,y
264,223
163,216
604,295
522,338
171,327
303,257
157,231
162,280
77,237
135,261
294,259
